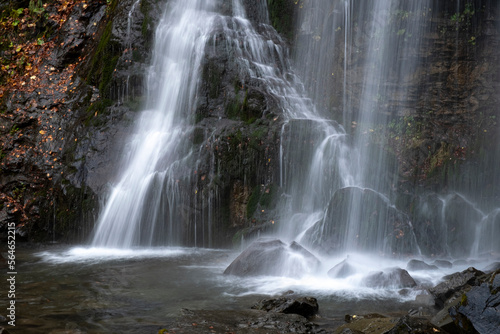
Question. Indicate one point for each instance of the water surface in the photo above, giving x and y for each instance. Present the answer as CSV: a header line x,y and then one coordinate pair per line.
x,y
99,290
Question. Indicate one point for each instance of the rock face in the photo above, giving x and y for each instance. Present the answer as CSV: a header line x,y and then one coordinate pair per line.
x,y
273,258
68,145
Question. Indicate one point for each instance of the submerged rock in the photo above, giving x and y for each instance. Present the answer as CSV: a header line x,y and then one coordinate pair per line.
x,y
304,306
274,258
390,278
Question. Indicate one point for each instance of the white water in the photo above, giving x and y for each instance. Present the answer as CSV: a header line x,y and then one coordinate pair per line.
x,y
212,262
322,164
141,208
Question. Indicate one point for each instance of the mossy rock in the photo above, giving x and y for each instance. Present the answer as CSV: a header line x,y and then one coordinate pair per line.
x,y
104,61
281,15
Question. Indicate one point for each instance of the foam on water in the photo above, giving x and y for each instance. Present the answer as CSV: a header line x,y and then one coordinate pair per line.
x,y
319,284
102,254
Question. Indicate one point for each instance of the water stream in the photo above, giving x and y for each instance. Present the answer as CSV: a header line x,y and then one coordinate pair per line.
x,y
142,290
142,206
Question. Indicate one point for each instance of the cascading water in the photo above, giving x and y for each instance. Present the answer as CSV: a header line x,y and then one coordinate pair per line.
x,y
375,52
338,183
142,208
146,206
349,185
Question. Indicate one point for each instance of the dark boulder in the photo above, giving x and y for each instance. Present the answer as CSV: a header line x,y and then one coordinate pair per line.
x,y
443,264
479,309
455,284
274,258
414,265
304,306
390,278
342,270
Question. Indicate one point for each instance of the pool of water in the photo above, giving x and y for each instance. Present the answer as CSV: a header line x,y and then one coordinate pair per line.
x,y
92,290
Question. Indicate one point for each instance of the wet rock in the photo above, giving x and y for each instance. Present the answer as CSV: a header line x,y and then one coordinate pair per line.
x,y
350,331
424,299
443,264
479,308
492,267
342,270
296,247
414,265
304,306
382,227
409,324
455,284
272,257
443,319
390,278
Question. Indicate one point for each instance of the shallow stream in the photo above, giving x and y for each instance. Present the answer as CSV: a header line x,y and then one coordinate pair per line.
x,y
98,290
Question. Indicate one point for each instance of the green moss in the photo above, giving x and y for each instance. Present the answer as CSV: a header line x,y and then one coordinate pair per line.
x,y
281,14
104,62
14,129
233,108
253,201
268,197
238,108
147,25
263,196
97,108
463,301
256,137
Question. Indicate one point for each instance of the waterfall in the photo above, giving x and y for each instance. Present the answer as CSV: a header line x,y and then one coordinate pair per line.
x,y
363,62
156,191
354,71
143,207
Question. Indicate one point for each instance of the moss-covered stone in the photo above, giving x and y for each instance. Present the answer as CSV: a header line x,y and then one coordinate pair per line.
x,y
104,62
281,14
